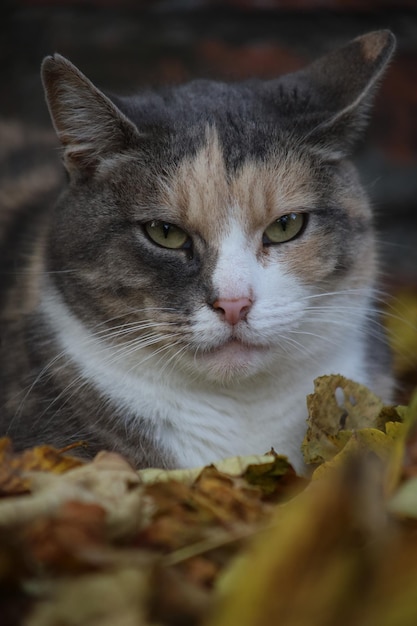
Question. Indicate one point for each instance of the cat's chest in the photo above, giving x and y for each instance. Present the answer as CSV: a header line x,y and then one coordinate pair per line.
x,y
197,425
201,426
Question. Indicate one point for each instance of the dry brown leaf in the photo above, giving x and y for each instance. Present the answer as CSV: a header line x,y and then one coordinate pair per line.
x,y
109,481
60,543
183,513
227,499
14,467
160,553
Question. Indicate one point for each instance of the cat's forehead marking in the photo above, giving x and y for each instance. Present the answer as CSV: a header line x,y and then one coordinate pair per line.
x,y
208,198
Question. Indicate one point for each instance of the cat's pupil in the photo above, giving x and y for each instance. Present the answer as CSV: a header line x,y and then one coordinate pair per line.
x,y
166,228
283,221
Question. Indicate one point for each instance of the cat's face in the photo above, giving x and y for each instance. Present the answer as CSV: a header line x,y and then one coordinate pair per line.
x,y
223,246
224,272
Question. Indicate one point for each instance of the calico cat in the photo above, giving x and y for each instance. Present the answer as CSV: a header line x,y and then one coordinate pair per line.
x,y
212,254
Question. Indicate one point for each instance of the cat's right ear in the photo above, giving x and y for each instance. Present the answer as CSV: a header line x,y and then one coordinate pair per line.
x,y
345,82
328,102
90,127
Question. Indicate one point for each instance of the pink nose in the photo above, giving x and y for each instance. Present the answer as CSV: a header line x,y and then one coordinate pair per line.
x,y
233,310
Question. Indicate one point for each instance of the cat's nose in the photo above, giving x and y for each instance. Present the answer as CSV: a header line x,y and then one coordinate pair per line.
x,y
233,310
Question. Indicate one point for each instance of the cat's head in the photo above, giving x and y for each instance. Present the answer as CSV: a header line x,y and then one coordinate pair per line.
x,y
217,227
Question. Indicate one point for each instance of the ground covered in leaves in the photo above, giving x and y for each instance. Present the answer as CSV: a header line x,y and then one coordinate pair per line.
x,y
245,542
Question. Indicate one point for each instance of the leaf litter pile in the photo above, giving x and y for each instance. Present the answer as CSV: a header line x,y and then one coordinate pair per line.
x,y
244,542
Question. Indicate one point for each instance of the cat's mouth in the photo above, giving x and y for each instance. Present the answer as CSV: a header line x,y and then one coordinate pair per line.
x,y
236,350
233,359
234,343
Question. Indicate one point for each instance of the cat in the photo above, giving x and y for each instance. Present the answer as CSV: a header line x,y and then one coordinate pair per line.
x,y
212,253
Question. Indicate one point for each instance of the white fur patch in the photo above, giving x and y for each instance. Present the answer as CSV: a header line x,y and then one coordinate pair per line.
x,y
237,269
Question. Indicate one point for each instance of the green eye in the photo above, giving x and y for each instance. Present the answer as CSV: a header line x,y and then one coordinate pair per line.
x,y
284,229
167,235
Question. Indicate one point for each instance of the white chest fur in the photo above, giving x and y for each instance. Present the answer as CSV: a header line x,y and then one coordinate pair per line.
x,y
199,423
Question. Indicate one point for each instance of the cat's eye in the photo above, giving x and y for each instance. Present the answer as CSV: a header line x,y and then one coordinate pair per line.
x,y
167,235
285,228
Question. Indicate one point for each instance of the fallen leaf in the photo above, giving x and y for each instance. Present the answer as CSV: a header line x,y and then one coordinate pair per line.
x,y
274,478
308,563
238,542
401,323
233,466
338,407
15,467
360,443
60,543
108,481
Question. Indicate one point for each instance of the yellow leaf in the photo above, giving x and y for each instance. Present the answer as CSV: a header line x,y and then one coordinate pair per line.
x,y
359,442
15,466
337,407
403,461
401,324
309,563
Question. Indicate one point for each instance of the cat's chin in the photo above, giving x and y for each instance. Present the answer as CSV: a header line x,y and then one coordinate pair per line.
x,y
232,361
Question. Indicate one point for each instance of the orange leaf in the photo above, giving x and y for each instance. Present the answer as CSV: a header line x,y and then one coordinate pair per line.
x,y
59,542
14,466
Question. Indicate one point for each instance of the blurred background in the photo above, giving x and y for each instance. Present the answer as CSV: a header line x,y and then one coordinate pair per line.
x,y
123,45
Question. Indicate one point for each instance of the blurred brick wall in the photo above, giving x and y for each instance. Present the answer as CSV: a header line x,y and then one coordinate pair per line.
x,y
124,44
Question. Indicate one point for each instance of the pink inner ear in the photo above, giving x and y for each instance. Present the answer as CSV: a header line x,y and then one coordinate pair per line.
x,y
233,310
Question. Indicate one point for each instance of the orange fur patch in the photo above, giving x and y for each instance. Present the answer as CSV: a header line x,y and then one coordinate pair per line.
x,y
205,199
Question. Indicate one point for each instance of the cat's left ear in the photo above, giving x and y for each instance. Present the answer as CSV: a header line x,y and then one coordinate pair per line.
x,y
90,127
344,83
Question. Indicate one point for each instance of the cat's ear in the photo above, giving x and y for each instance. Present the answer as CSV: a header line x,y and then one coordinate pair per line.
x,y
88,124
344,83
